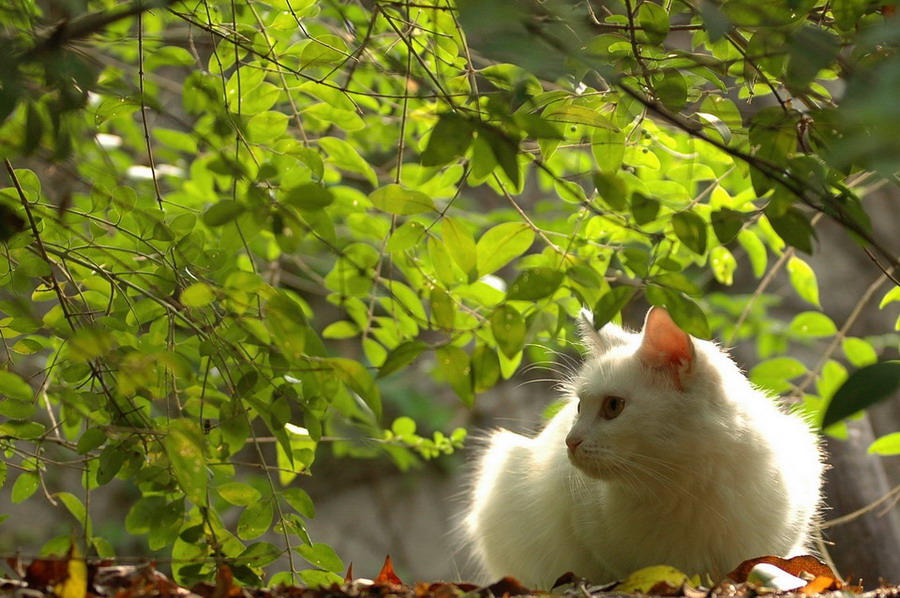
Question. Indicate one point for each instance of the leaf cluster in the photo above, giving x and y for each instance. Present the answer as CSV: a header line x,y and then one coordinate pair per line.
x,y
227,226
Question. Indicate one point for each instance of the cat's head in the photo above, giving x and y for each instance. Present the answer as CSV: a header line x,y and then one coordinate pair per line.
x,y
637,395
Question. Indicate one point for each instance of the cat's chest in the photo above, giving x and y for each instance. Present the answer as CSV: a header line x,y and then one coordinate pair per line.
x,y
625,533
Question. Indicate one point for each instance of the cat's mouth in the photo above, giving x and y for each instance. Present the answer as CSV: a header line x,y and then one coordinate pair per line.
x,y
593,465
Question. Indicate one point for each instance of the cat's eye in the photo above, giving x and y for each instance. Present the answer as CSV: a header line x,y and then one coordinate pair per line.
x,y
612,406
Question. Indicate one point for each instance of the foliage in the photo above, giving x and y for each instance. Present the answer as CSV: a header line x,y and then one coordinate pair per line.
x,y
227,225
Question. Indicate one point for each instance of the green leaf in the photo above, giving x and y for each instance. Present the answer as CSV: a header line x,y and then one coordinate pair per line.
x,y
501,244
889,444
756,251
345,156
74,505
309,196
16,409
509,329
111,460
578,115
774,374
91,439
863,388
184,445
715,23
25,485
286,322
255,520
299,501
404,427
608,148
198,294
535,283
803,279
485,368
644,208
357,377
460,244
395,199
654,22
690,230
505,149
672,88
454,368
450,138
847,13
406,236
611,304
443,309
611,189
813,324
88,343
223,212
858,351
239,493
321,556
22,429
400,357
723,265
773,137
726,223
890,297
811,50
259,554
794,228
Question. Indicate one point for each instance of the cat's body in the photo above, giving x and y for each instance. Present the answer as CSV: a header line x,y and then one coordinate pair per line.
x,y
663,454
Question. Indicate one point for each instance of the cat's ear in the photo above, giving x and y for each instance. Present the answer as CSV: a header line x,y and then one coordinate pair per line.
x,y
600,341
666,347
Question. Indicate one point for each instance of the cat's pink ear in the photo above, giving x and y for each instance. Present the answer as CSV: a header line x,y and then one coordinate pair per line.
x,y
600,341
666,347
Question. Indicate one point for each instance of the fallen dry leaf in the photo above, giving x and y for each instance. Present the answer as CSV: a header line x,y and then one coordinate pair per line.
x,y
805,566
387,575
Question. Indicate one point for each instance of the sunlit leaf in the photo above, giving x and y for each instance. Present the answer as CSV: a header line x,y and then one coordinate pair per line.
x,y
13,387
813,324
395,199
803,279
184,446
460,243
322,556
501,244
889,444
774,374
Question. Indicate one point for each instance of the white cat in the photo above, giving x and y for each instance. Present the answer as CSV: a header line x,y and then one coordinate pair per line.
x,y
664,454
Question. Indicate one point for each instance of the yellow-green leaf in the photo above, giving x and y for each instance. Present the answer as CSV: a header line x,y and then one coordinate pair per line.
x,y
395,199
803,279
184,444
460,244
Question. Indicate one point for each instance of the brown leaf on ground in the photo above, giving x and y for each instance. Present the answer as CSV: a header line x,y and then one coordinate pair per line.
x,y
387,575
805,567
509,586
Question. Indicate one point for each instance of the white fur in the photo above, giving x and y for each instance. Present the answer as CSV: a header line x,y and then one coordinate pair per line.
x,y
700,471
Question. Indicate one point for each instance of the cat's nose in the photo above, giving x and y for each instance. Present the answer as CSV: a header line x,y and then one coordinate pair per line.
x,y
573,443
